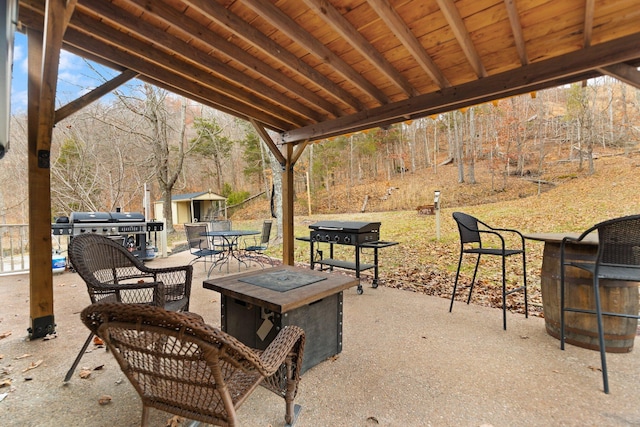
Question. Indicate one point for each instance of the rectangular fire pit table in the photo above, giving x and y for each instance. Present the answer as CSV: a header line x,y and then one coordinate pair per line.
x,y
257,304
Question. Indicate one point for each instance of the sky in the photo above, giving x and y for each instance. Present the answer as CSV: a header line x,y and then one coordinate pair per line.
x,y
76,76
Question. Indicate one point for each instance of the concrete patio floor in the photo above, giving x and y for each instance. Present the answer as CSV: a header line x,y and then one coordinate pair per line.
x,y
406,361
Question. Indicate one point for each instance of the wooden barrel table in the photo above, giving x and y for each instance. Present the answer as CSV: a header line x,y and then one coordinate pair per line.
x,y
616,296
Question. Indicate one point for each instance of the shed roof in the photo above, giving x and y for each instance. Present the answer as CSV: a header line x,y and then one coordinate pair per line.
x,y
202,195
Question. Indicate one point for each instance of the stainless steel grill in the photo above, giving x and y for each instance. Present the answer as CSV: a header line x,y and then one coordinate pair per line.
x,y
129,227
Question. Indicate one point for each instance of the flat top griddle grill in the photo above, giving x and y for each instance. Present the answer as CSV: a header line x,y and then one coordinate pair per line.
x,y
345,232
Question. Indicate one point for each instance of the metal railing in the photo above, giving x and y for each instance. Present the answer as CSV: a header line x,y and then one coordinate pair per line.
x,y
14,248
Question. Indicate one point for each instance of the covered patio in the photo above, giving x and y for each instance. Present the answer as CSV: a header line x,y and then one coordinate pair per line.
x,y
306,71
406,361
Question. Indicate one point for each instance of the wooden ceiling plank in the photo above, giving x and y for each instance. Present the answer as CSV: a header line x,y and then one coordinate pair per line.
x,y
451,13
97,93
288,26
588,21
391,18
570,67
623,72
197,58
192,28
144,52
335,19
233,23
516,30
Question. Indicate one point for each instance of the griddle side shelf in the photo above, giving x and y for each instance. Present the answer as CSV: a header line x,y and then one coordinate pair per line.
x,y
356,266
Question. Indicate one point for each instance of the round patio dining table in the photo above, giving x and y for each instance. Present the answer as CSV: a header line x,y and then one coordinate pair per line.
x,y
231,251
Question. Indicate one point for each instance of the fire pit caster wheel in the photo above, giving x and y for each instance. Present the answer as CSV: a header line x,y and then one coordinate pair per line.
x,y
374,284
360,291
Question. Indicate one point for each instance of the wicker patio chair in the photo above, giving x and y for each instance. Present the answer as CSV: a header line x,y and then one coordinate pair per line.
x,y
112,274
180,365
471,229
255,250
618,259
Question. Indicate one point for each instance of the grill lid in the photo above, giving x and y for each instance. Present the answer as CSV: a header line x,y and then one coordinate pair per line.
x,y
347,226
127,217
89,217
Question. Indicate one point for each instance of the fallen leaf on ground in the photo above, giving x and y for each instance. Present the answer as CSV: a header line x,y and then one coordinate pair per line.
x,y
98,341
33,365
5,334
105,399
174,421
23,356
2,396
98,368
50,336
594,368
84,374
373,420
5,383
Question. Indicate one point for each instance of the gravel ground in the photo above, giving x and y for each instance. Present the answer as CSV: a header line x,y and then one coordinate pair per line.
x,y
406,361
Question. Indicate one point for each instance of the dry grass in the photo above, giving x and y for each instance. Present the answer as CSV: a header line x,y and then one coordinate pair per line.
x,y
423,263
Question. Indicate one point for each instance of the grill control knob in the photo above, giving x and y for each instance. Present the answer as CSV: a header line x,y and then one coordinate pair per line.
x,y
327,237
347,239
336,238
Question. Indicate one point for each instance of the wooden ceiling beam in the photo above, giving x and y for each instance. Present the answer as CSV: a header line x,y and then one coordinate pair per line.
x,y
194,65
391,18
216,43
452,15
219,14
516,30
623,72
338,22
294,31
589,9
571,67
97,93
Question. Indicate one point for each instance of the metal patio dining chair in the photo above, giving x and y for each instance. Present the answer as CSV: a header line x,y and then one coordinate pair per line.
x,y
255,250
179,364
199,245
220,243
618,258
471,231
113,274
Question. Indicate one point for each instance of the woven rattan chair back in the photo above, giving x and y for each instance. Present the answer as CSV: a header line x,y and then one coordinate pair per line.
x,y
180,365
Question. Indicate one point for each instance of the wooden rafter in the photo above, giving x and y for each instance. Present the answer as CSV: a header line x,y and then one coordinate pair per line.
x,y
456,23
302,37
233,23
516,29
589,9
332,17
391,18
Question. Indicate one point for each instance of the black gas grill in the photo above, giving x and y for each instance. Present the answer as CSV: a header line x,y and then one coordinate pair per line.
x,y
130,228
345,232
362,235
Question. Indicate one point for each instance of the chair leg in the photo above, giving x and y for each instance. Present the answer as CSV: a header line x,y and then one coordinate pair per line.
x,y
524,277
562,267
473,281
455,284
78,357
603,350
504,294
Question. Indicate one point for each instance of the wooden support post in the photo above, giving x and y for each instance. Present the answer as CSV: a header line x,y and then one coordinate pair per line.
x,y
44,55
287,208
